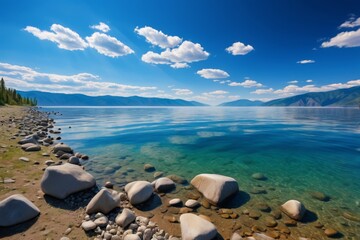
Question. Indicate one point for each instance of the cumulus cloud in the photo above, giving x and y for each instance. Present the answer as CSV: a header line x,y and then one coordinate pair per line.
x,y
351,23
248,83
25,78
239,48
305,61
182,91
309,81
187,52
101,27
263,91
211,73
65,38
344,39
158,38
107,45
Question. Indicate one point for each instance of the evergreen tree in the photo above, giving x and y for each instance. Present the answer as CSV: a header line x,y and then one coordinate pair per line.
x,y
11,97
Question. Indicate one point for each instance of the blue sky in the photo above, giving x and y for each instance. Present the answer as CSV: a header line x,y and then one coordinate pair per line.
x,y
208,51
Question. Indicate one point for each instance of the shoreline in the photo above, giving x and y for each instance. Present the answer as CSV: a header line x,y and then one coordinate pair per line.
x,y
246,225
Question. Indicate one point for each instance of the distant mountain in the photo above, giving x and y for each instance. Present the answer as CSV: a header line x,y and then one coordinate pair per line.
x,y
61,99
347,97
242,103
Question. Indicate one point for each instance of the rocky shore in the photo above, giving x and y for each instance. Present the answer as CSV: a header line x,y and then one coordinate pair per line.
x,y
64,201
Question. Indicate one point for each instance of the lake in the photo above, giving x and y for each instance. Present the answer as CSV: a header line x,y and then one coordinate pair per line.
x,y
299,150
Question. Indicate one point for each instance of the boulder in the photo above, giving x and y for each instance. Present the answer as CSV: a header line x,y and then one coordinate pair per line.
x,y
194,227
104,201
125,218
164,184
294,209
62,180
138,191
62,147
16,209
216,188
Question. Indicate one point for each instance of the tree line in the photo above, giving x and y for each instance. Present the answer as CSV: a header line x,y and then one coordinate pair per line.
x,y
11,97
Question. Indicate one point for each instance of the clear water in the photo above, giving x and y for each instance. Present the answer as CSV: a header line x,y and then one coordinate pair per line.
x,y
299,150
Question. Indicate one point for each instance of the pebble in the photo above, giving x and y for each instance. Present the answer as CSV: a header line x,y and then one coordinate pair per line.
x,y
149,168
175,201
319,225
254,214
205,204
191,203
9,180
270,221
276,214
24,159
68,231
88,225
290,222
330,232
101,221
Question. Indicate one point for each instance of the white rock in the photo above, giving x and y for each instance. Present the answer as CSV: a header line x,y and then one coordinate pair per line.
x,y
16,209
294,209
191,203
103,202
62,180
138,191
216,188
175,201
24,159
88,225
164,184
194,227
132,237
125,218
236,236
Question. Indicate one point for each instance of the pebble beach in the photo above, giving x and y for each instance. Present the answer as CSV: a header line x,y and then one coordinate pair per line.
x,y
48,180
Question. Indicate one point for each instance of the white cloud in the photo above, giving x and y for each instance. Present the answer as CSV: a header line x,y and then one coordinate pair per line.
x,y
344,39
217,92
180,65
158,38
187,52
107,45
351,23
263,91
182,91
25,78
305,61
293,81
248,83
101,27
309,81
64,37
239,48
210,73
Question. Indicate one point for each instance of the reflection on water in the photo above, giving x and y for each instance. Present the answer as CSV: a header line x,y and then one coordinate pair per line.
x,y
300,150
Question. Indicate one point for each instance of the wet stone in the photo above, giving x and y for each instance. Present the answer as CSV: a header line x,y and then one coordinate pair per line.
x,y
290,222
318,225
319,196
330,232
205,204
259,176
254,214
276,214
270,221
263,207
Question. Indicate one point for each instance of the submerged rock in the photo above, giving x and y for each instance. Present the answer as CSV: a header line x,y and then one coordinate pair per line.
x,y
294,209
149,168
216,188
259,176
320,196
330,232
194,227
16,209
62,180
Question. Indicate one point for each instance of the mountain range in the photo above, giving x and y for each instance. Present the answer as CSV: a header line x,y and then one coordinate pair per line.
x,y
61,99
347,97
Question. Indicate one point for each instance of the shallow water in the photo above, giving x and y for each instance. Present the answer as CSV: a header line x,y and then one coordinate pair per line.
x,y
299,150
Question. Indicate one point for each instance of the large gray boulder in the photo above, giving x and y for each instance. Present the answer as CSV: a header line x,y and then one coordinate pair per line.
x,y
62,180
215,188
294,209
138,191
196,228
164,184
16,209
104,201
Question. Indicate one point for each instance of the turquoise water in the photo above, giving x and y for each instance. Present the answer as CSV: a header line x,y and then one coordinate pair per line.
x,y
299,150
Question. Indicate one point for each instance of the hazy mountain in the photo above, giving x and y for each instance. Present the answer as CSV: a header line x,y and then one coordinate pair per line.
x,y
61,99
242,103
338,98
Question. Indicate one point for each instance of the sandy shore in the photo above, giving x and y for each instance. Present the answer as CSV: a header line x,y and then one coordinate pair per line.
x,y
56,217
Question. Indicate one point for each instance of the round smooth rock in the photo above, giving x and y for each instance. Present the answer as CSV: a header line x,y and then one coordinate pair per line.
x,y
191,203
175,201
330,232
125,218
88,225
259,176
194,227
164,184
294,209
138,191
